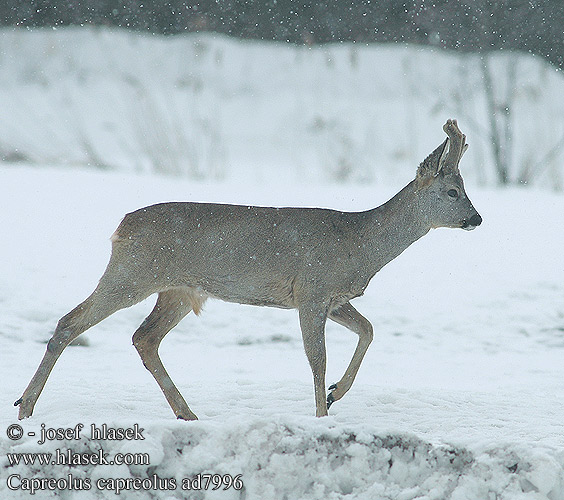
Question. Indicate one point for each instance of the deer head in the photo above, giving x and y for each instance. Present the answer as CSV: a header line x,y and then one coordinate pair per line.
x,y
439,185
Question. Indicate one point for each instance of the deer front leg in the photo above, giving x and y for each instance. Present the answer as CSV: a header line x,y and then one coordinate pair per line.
x,y
312,323
349,317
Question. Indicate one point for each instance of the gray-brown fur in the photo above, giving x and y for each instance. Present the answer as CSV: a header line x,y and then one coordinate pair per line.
x,y
314,260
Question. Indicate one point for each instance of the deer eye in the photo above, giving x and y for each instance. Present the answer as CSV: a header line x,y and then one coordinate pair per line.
x,y
453,193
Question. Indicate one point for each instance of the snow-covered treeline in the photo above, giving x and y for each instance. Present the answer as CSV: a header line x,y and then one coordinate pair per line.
x,y
207,106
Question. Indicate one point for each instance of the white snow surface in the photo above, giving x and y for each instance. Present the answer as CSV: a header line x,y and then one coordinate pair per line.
x,y
461,393
460,396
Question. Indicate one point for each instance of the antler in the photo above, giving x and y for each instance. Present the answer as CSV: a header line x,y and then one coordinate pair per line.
x,y
456,147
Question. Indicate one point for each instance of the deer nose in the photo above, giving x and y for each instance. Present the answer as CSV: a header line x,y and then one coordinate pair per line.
x,y
475,220
472,222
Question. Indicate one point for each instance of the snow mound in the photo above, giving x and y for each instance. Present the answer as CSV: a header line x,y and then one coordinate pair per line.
x,y
286,459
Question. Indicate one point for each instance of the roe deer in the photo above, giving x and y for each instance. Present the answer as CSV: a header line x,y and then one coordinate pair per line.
x,y
314,260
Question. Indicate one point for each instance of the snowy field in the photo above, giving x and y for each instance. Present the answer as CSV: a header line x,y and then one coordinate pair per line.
x,y
460,395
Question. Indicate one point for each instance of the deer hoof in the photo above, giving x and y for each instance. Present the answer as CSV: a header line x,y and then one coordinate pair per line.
x,y
18,402
330,397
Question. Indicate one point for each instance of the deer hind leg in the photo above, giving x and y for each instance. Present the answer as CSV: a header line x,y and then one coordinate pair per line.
x,y
104,301
349,317
172,305
312,323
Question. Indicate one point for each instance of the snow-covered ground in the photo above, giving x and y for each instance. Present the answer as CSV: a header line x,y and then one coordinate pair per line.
x,y
460,396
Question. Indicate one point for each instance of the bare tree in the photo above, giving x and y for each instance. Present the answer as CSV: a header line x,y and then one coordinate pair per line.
x,y
499,111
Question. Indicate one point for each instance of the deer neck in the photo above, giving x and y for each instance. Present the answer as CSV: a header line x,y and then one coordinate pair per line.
x,y
394,226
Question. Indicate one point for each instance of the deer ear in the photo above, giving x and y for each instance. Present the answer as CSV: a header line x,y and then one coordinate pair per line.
x,y
432,165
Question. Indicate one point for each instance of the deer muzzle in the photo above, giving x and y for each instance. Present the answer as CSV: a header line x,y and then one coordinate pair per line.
x,y
472,223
